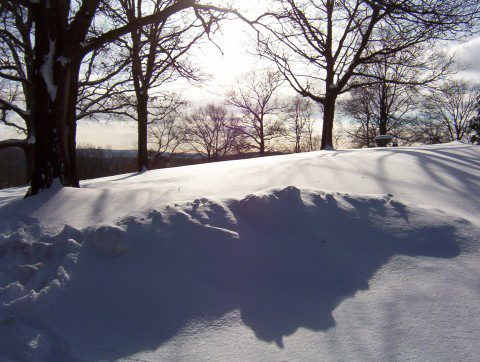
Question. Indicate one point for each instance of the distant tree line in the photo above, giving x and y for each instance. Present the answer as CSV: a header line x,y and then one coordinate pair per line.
x,y
92,162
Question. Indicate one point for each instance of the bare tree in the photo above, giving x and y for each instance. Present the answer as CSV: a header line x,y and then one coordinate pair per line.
x,y
16,89
322,48
312,140
380,109
214,133
359,108
475,126
255,97
451,108
158,52
95,91
96,87
428,132
388,106
102,84
165,132
338,134
64,33
300,123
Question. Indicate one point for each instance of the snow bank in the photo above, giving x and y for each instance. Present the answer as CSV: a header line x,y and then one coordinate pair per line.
x,y
250,260
279,260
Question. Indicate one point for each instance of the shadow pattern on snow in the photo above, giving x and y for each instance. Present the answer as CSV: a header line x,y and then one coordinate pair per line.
x,y
284,258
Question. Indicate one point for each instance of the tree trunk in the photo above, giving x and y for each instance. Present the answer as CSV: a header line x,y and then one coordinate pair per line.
x,y
262,138
261,146
55,129
142,112
383,127
383,111
328,117
458,131
368,130
55,86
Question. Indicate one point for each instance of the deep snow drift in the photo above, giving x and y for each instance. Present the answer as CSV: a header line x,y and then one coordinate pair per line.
x,y
335,255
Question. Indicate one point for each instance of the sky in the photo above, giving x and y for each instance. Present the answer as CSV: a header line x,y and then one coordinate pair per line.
x,y
469,53
225,67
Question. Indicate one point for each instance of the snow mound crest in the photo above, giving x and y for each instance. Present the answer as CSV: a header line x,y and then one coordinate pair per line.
x,y
108,239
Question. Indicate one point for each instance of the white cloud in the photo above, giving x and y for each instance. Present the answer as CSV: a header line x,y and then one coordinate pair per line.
x,y
468,53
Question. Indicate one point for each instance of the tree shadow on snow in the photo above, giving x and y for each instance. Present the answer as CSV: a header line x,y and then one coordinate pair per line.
x,y
284,259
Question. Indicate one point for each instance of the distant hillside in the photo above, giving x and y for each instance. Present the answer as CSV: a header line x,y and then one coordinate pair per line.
x,y
13,170
100,162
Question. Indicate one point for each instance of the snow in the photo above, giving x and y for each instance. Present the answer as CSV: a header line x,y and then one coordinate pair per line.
x,y
63,60
384,137
349,255
47,70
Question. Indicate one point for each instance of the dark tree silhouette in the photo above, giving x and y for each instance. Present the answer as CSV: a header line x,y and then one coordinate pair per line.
x,y
300,123
16,91
63,36
165,132
214,133
97,85
158,53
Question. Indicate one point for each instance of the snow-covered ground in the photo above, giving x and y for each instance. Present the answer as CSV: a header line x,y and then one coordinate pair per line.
x,y
335,255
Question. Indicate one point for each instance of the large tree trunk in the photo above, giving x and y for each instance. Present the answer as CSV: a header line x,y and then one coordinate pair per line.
x,y
262,139
53,116
383,127
328,118
55,86
140,83
142,113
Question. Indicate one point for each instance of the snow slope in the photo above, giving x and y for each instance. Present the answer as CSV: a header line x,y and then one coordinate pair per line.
x,y
334,255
